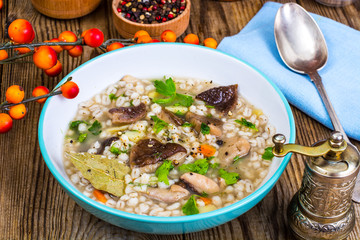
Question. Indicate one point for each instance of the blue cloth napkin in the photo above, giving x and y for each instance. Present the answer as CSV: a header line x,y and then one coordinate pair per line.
x,y
256,45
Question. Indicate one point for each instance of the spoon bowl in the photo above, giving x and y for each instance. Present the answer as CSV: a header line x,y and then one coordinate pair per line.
x,y
300,42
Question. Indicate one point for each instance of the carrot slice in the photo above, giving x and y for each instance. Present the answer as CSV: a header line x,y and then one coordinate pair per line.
x,y
99,196
207,201
207,150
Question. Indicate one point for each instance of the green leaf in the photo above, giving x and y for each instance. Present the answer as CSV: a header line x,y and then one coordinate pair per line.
x,y
131,103
204,194
165,101
214,165
205,129
187,125
183,100
75,124
114,150
209,106
103,173
158,124
245,123
82,137
268,154
236,159
113,97
95,128
200,166
166,88
190,207
163,171
229,177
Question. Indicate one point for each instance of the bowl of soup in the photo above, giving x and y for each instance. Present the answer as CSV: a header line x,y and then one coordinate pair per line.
x,y
166,138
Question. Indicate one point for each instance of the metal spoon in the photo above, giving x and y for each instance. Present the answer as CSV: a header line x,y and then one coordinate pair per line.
x,y
303,49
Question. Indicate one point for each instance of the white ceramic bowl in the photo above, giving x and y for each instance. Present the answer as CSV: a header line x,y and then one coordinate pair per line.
x,y
155,61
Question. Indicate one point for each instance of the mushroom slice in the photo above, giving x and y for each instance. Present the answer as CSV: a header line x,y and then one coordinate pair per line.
x,y
235,146
128,114
106,143
150,151
200,183
174,194
196,120
222,98
170,117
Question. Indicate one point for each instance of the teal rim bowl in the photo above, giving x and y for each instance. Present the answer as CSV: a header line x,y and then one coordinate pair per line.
x,y
197,61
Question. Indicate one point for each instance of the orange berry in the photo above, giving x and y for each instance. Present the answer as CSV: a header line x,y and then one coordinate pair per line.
x,y
45,57
58,49
67,36
191,38
168,36
144,39
141,33
6,123
55,70
76,51
17,112
210,42
22,50
114,46
1,4
14,94
93,37
40,91
70,90
3,55
21,31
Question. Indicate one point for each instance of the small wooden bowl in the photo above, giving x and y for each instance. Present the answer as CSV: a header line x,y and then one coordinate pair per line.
x,y
65,9
127,28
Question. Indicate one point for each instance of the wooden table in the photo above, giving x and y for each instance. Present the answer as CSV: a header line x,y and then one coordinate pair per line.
x,y
34,206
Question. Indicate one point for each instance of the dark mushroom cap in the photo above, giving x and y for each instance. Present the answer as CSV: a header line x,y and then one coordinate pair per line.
x,y
128,114
170,117
105,143
150,151
222,98
196,120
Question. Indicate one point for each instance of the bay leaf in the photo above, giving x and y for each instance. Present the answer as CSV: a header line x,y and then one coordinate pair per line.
x,y
103,173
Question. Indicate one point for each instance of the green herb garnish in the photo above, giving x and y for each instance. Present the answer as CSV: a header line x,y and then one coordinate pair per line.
x,y
229,177
236,159
268,154
82,137
113,97
158,124
75,124
200,166
190,207
205,129
117,151
245,123
187,125
131,103
168,88
163,171
95,128
209,106
204,194
209,115
214,165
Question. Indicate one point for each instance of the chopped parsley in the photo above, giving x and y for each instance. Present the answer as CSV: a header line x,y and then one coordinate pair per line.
x,y
229,177
75,124
163,171
214,165
95,128
209,106
82,137
158,124
205,129
268,154
204,194
246,123
209,115
187,125
168,89
236,159
113,97
131,103
200,166
190,207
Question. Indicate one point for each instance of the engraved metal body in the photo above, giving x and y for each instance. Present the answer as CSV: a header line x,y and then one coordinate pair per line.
x,y
322,208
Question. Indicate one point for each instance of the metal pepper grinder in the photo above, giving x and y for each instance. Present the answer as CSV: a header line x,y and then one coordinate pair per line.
x,y
322,208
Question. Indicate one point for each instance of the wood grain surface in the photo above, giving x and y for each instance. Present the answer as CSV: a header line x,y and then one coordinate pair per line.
x,y
33,205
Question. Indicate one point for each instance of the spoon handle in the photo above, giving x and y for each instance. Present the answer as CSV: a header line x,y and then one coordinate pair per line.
x,y
315,77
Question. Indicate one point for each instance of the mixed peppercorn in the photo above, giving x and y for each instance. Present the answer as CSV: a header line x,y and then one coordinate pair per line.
x,y
151,11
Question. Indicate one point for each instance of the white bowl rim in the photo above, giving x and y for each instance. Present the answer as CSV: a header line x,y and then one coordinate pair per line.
x,y
179,219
